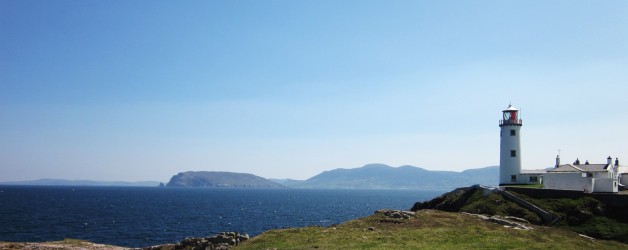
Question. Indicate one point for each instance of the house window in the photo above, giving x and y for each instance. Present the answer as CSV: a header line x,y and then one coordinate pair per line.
x,y
534,179
513,178
513,153
513,132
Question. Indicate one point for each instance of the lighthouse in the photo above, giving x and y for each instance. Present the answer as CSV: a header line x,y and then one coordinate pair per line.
x,y
510,147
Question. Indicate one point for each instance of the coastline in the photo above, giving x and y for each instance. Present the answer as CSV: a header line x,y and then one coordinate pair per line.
x,y
425,229
467,217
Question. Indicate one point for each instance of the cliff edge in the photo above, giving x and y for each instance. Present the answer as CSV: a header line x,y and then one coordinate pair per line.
x,y
585,215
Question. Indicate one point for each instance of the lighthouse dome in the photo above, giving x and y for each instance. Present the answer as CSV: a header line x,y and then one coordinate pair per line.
x,y
510,108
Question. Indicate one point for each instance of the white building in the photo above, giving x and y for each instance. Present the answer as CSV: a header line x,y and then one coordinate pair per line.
x,y
589,178
510,152
622,175
510,146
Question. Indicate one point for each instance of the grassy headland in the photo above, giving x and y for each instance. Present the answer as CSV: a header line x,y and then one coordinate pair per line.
x,y
427,229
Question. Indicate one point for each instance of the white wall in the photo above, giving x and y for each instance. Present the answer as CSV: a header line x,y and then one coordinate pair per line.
x,y
567,181
510,165
525,178
608,174
605,185
623,179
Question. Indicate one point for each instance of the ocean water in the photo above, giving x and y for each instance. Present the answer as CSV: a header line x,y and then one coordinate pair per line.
x,y
145,216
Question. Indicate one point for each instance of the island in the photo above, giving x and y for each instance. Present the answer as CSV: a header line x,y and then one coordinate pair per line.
x,y
220,179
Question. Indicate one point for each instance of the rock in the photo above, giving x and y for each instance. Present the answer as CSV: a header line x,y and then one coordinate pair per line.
x,y
449,202
371,229
517,219
220,241
509,221
396,214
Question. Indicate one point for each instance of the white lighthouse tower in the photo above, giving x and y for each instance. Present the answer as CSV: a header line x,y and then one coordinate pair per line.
x,y
510,147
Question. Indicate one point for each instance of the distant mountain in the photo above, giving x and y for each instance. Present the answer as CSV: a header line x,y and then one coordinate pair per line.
x,y
409,177
220,179
62,182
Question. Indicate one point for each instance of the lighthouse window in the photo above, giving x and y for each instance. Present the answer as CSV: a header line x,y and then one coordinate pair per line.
x,y
513,132
513,153
513,178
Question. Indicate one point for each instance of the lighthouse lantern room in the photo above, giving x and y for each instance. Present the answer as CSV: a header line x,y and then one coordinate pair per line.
x,y
510,147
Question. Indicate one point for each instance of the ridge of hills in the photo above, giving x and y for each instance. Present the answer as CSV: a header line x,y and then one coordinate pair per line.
x,y
64,182
406,177
370,176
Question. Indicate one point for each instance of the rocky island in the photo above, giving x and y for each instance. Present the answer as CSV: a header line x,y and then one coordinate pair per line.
x,y
220,179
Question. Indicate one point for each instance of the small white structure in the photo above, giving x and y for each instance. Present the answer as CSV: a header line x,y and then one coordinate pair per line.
x,y
590,178
622,175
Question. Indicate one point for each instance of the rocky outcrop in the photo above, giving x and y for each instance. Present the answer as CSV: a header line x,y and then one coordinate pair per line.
x,y
220,179
485,200
507,221
450,202
396,214
221,241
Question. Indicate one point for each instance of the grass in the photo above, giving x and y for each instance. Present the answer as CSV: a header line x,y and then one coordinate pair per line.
x,y
584,215
429,229
64,244
495,204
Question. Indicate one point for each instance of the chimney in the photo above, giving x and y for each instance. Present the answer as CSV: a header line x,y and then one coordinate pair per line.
x,y
557,161
577,162
609,161
616,161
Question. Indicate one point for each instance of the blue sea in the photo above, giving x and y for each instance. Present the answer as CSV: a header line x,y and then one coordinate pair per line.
x,y
145,216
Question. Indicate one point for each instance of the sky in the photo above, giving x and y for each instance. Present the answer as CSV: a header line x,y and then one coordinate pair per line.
x,y
141,90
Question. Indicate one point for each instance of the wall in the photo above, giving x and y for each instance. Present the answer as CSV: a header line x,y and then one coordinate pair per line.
x,y
610,199
602,175
616,204
605,185
509,165
567,181
525,178
624,179
548,218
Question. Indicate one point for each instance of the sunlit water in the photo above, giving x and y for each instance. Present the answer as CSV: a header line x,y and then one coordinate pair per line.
x,y
144,216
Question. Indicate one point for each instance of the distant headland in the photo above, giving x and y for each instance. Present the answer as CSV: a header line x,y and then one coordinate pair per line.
x,y
220,179
370,176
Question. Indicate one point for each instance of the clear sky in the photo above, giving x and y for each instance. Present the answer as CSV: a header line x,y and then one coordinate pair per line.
x,y
141,90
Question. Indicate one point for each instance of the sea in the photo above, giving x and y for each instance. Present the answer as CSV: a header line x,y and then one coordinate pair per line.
x,y
147,216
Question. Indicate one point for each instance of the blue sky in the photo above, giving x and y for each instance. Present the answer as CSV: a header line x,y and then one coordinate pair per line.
x,y
141,90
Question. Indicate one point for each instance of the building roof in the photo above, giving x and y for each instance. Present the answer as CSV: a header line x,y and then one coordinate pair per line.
x,y
580,168
533,171
510,108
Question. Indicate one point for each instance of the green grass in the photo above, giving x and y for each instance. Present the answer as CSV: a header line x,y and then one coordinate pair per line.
x,y
584,215
429,229
63,244
495,204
